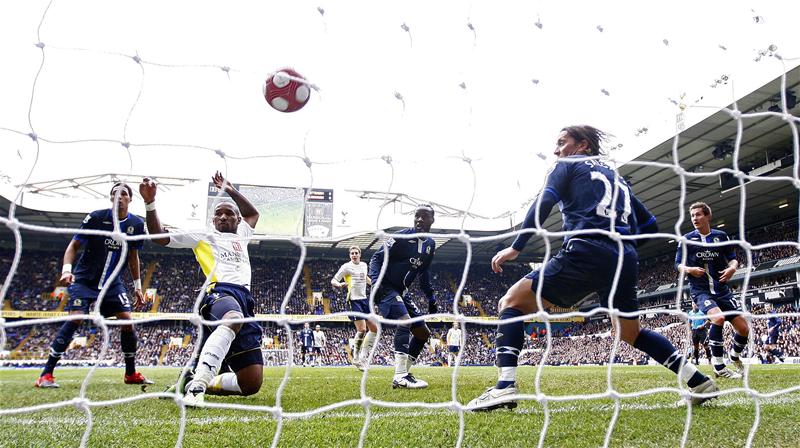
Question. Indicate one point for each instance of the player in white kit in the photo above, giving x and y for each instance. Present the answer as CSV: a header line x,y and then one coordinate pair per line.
x,y
353,275
453,344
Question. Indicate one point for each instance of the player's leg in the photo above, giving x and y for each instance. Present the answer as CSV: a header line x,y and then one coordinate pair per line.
x,y
116,303
658,347
695,348
392,306
246,368
741,332
128,343
715,338
420,333
58,347
216,347
772,344
80,298
369,342
518,301
361,329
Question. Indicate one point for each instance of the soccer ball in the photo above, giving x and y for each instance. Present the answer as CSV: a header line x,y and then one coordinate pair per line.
x,y
284,94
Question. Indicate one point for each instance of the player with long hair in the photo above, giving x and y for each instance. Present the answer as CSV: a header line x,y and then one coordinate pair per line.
x,y
584,186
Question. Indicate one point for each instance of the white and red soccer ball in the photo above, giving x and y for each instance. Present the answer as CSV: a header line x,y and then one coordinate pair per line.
x,y
285,94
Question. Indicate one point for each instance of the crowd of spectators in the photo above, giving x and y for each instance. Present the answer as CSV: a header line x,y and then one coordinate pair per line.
x,y
178,281
571,344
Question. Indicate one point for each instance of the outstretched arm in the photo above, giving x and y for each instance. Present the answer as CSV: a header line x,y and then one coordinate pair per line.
x,y
148,189
246,208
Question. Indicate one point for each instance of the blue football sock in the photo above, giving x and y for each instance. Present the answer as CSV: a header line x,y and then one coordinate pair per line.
x,y
509,340
59,345
127,340
660,349
415,347
715,344
401,339
739,344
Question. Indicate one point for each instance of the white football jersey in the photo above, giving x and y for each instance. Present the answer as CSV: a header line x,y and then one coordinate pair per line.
x,y
228,251
355,275
319,338
454,336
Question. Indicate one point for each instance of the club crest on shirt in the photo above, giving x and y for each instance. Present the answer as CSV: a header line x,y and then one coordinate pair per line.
x,y
237,246
716,239
129,230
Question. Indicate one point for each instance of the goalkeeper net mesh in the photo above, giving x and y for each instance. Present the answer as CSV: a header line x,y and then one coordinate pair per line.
x,y
410,82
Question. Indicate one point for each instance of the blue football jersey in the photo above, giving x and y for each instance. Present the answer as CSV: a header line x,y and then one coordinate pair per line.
x,y
774,322
409,258
712,259
101,253
584,191
307,337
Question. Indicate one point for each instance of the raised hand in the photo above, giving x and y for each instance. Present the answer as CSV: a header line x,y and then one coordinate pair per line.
x,y
219,181
148,188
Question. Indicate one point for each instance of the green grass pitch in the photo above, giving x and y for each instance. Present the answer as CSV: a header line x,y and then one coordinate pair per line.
x,y
647,421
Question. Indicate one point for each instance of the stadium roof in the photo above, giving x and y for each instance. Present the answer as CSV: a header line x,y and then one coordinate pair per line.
x,y
765,144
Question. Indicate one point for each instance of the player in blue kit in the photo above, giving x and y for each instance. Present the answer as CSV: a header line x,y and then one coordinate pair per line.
x,y
709,268
230,361
699,324
408,259
306,336
100,257
584,189
773,333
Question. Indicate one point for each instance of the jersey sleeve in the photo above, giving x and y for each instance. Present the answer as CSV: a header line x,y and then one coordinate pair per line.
x,y
645,221
679,255
340,273
186,240
556,187
244,229
90,222
730,250
425,275
376,262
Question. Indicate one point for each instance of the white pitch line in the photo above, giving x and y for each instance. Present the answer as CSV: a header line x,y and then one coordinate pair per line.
x,y
722,402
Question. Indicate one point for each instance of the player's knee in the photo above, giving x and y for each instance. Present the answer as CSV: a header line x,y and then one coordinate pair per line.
x,y
741,327
250,388
717,320
235,326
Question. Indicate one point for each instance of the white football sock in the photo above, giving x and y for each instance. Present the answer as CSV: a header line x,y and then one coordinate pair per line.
x,y
366,347
211,355
400,364
227,382
507,374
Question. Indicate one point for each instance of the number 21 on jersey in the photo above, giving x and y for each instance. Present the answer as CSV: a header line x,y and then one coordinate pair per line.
x,y
604,207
